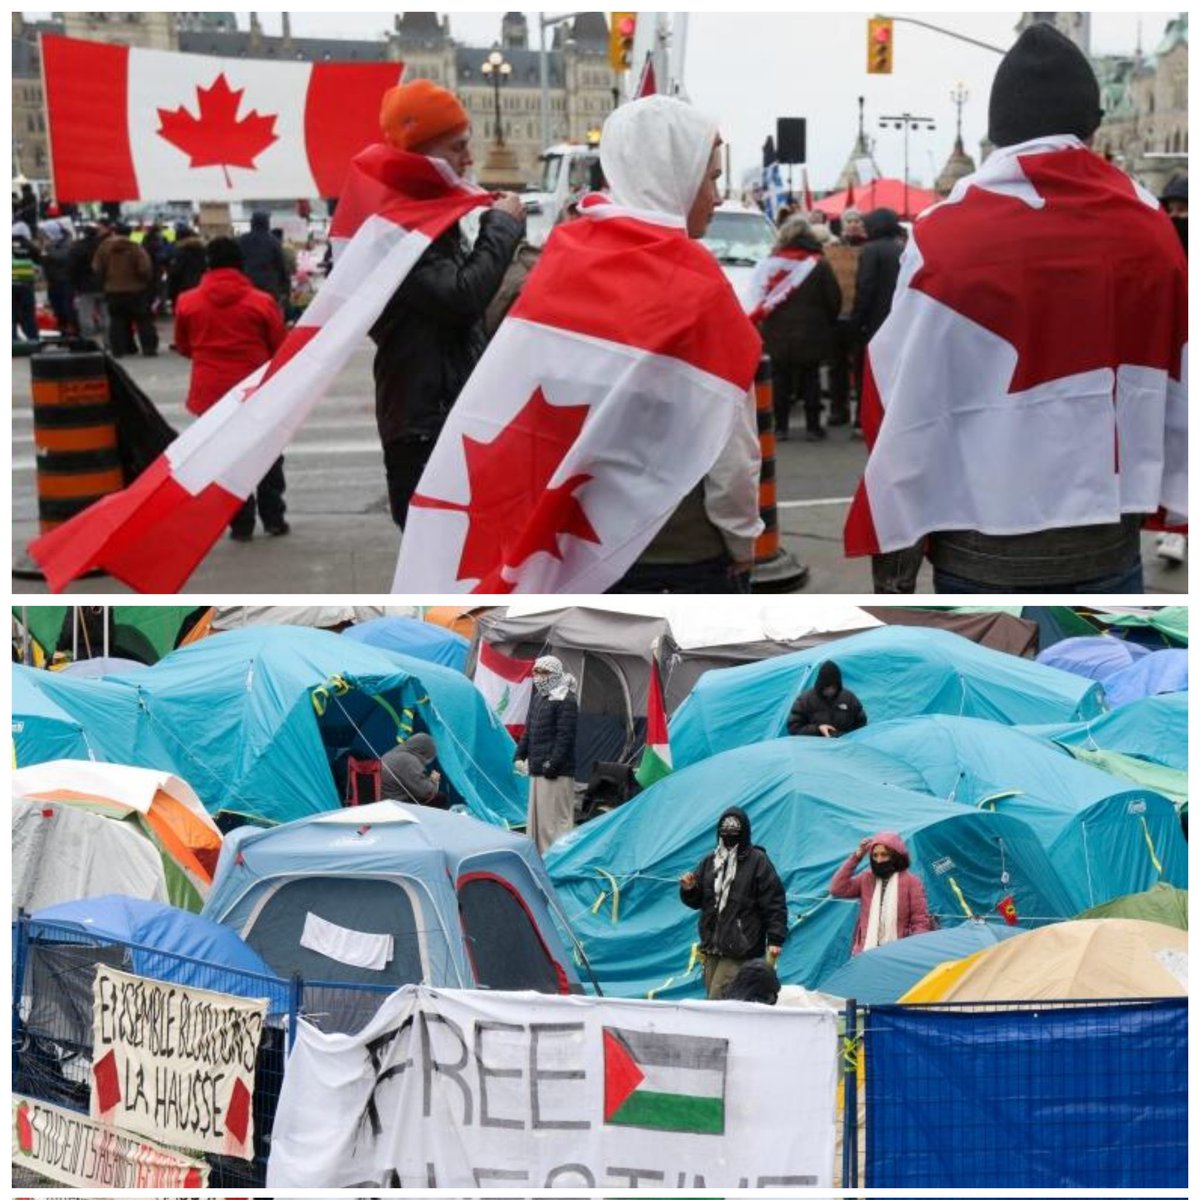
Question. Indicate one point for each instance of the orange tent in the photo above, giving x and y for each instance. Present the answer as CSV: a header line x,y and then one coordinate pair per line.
x,y
460,620
880,193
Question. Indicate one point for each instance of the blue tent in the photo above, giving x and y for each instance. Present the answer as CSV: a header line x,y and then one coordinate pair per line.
x,y
164,943
41,729
896,671
417,639
1104,837
261,721
390,894
1092,657
1159,673
809,804
98,668
1154,729
883,975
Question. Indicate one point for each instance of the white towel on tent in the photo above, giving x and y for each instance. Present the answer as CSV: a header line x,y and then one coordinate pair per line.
x,y
372,951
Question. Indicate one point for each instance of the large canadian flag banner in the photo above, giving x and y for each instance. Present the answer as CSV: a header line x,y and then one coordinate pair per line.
x,y
133,124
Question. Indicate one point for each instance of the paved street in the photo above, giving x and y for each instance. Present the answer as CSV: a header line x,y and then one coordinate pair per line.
x,y
343,541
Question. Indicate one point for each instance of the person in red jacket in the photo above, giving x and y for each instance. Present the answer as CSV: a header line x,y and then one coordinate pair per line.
x,y
891,899
228,328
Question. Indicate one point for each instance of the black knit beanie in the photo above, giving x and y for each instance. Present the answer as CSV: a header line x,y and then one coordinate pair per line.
x,y
1044,85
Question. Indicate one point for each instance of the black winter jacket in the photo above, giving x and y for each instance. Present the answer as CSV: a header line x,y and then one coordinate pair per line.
x,y
549,738
812,709
83,279
264,263
878,270
801,330
431,334
755,915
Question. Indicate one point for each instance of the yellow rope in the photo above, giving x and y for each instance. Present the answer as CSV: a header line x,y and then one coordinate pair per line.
x,y
695,957
616,896
959,893
1150,846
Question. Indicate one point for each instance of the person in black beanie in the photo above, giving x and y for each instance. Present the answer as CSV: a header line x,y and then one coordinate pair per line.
x,y
1043,86
1075,521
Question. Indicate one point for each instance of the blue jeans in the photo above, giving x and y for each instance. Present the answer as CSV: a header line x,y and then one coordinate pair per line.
x,y
1121,583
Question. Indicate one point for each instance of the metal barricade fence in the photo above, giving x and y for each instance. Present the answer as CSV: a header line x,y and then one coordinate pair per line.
x,y
52,1022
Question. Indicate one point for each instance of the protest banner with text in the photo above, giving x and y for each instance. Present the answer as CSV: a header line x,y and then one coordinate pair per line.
x,y
492,1089
68,1147
175,1063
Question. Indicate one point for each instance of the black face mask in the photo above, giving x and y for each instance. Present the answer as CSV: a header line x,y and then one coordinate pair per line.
x,y
884,870
729,840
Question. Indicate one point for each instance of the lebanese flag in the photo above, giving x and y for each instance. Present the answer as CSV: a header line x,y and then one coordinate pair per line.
x,y
656,756
133,124
1033,372
777,278
153,534
605,396
507,685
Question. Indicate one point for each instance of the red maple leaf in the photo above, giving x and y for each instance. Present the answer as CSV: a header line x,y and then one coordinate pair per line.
x,y
513,513
1055,282
216,138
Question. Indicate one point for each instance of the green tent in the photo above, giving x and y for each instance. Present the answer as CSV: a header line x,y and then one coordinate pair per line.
x,y
1171,623
142,632
1162,903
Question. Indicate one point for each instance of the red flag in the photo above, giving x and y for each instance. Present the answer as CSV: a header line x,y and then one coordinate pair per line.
x,y
134,124
656,757
647,85
808,198
1007,908
850,195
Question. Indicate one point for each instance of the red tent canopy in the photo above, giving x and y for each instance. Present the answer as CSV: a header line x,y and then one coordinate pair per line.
x,y
881,193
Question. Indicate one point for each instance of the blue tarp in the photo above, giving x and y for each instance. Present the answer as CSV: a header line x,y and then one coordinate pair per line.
x,y
1048,1097
883,975
810,802
41,729
252,719
417,639
895,671
1092,657
165,943
1163,672
1105,837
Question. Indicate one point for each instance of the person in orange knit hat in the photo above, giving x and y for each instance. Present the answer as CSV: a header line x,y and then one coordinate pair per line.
x,y
431,334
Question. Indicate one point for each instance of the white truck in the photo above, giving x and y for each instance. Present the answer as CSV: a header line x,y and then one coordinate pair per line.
x,y
567,169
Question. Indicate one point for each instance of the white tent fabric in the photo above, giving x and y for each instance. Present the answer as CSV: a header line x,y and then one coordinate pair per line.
x,y
74,855
696,621
134,787
314,616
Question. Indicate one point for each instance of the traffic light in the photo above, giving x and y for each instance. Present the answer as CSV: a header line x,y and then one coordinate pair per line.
x,y
879,46
620,40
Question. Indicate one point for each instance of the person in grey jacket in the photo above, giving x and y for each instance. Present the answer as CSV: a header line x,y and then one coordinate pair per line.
x,y
407,776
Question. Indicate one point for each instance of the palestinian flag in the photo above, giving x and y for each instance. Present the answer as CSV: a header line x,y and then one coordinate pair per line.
x,y
656,757
1032,374
604,398
666,1081
507,686
153,534
776,278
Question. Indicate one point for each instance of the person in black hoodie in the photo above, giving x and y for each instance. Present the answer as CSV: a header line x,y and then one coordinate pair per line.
x,y
548,746
263,257
828,709
878,270
742,903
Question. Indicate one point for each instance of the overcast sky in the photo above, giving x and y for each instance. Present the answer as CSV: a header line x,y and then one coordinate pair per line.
x,y
746,69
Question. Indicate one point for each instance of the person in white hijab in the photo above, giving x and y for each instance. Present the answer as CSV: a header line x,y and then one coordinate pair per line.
x,y
661,158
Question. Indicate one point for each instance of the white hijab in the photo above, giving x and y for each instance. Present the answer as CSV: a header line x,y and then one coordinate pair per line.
x,y
655,152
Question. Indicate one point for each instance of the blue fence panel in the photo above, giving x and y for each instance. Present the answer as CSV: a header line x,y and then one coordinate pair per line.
x,y
1028,1096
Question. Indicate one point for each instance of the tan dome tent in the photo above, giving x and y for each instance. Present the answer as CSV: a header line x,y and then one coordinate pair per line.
x,y
83,829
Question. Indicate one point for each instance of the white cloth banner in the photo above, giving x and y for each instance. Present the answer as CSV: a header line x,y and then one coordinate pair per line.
x,y
174,1062
493,1089
371,951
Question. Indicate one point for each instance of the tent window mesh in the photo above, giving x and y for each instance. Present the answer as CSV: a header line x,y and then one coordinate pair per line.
x,y
506,948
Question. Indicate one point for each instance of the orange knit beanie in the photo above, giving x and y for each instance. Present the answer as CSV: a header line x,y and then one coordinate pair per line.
x,y
416,113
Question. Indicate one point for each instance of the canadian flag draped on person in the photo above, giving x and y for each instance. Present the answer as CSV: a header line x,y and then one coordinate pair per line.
x,y
393,205
1026,400
619,379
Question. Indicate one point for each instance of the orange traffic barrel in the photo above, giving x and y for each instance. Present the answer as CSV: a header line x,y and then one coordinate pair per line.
x,y
775,569
74,432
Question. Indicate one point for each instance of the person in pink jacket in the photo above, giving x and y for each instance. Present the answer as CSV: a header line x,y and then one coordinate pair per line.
x,y
891,899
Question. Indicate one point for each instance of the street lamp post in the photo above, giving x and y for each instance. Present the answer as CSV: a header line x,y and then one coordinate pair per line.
x,y
906,121
958,97
497,68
